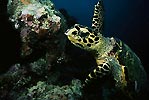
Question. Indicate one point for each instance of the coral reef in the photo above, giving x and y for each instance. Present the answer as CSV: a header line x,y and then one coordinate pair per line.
x,y
43,91
39,24
35,84
40,27
40,66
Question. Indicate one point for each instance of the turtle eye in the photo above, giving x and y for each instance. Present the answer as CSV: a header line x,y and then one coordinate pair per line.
x,y
74,32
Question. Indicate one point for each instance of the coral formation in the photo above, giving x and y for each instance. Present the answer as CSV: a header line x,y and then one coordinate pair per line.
x,y
41,29
21,84
38,22
44,91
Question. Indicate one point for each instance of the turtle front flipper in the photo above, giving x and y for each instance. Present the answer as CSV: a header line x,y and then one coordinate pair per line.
x,y
97,21
103,69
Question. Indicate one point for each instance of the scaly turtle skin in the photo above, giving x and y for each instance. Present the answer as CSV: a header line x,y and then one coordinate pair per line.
x,y
113,57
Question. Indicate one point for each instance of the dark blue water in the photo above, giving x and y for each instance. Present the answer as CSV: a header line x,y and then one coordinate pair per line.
x,y
121,16
82,10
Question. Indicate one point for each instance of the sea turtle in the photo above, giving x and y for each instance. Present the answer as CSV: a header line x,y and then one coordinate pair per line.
x,y
113,57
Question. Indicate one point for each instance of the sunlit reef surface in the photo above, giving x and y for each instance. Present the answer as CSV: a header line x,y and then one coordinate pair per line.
x,y
39,69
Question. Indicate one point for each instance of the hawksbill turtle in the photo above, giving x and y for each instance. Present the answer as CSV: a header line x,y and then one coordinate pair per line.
x,y
113,57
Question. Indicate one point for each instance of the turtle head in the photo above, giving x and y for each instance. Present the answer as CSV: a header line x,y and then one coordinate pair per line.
x,y
82,36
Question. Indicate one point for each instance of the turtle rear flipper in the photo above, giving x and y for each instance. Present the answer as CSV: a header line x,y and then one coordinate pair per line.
x,y
97,21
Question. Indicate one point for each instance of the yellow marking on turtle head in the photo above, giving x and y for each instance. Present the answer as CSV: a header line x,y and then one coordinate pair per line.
x,y
82,36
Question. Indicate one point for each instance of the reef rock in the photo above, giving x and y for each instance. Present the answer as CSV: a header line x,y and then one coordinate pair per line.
x,y
37,84
39,25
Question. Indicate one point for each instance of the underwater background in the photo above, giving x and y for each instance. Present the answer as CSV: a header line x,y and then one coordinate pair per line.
x,y
127,20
